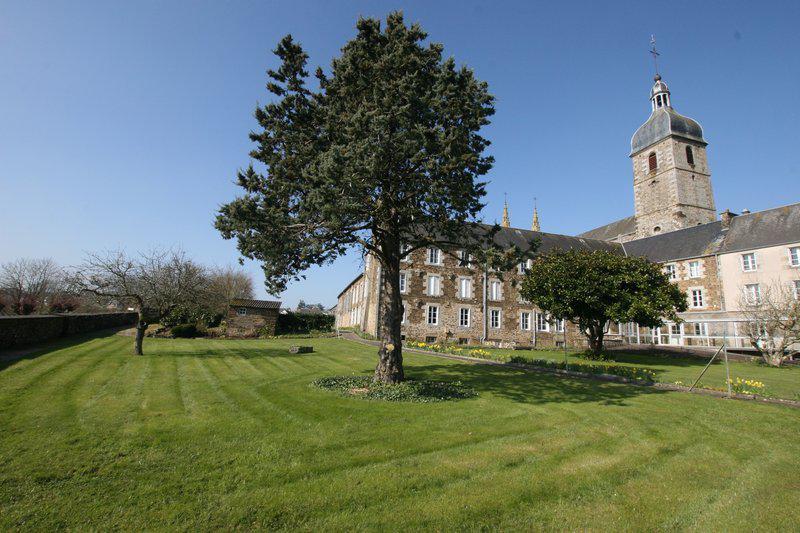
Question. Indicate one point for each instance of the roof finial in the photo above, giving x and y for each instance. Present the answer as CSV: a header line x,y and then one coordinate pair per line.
x,y
506,221
655,56
535,225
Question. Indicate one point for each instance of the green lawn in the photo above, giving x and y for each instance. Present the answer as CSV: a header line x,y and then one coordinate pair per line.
x,y
202,434
781,382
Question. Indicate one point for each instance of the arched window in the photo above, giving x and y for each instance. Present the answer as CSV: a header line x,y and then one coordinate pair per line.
x,y
689,155
652,162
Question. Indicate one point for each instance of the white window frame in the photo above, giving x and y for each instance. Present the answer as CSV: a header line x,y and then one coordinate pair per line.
x,y
432,312
461,282
403,318
495,313
433,256
752,293
462,315
702,327
464,259
242,311
403,249
696,298
403,282
794,256
796,289
496,295
560,324
749,262
436,290
542,322
671,270
525,320
694,272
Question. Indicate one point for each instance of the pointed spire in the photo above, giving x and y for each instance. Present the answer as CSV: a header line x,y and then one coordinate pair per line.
x,y
506,220
535,225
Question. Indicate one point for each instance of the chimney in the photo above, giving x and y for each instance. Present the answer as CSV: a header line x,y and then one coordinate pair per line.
x,y
726,217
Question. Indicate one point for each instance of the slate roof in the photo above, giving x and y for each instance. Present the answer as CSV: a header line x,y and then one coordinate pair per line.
x,y
522,238
255,304
772,227
696,241
613,230
663,122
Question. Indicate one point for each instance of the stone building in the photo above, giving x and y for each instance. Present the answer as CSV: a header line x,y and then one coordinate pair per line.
x,y
250,318
713,261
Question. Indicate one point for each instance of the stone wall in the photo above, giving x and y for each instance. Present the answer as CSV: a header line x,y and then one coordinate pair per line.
x,y
23,330
257,321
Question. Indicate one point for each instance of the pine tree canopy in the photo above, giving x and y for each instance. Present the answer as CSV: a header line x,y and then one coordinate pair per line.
x,y
384,152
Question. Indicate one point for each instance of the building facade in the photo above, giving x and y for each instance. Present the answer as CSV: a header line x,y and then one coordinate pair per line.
x,y
717,262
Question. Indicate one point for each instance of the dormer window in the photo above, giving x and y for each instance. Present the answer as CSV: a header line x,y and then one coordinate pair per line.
x,y
689,155
652,161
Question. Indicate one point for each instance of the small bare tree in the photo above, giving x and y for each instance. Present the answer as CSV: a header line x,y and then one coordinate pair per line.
x,y
226,284
156,281
27,284
772,322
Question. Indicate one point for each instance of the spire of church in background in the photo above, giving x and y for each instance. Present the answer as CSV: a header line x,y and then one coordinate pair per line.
x,y
506,220
535,225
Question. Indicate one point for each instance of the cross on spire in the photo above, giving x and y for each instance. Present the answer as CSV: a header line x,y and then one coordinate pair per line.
x,y
655,55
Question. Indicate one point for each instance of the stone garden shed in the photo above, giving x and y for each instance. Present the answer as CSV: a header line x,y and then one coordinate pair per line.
x,y
251,318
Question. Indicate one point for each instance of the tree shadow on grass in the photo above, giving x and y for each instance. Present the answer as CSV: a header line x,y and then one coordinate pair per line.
x,y
10,357
528,386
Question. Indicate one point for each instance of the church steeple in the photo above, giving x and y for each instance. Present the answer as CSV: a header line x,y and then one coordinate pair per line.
x,y
506,220
535,224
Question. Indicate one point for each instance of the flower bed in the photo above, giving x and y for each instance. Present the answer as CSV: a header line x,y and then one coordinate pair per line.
x,y
630,372
406,391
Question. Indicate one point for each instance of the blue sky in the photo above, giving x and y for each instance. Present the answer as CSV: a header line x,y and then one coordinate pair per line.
x,y
123,123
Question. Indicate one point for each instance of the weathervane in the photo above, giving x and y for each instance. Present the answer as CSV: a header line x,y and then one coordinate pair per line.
x,y
654,52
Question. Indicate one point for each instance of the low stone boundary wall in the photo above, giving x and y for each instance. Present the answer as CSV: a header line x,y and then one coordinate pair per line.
x,y
23,330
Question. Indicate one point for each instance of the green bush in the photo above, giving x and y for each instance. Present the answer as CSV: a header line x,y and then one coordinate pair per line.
x,y
591,356
185,331
303,323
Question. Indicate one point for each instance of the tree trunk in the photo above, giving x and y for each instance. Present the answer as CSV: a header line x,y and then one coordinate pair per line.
x,y
390,354
596,339
141,327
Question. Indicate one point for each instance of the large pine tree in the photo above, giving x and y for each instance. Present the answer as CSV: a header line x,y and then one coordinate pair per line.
x,y
384,156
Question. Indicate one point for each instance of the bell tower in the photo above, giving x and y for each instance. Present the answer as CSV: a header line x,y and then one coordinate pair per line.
x,y
671,178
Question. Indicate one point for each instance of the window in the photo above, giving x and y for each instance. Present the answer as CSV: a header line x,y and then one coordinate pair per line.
x,y
465,288
463,317
675,329
794,256
405,249
524,266
463,258
495,291
403,319
796,289
433,315
525,320
652,161
403,282
434,256
694,269
463,340
689,155
700,329
560,325
697,297
671,271
434,284
749,262
752,293
494,318
430,340
241,311
541,322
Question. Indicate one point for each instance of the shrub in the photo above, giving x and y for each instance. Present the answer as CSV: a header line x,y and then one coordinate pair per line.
x,y
406,391
184,331
601,356
630,372
191,314
303,323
